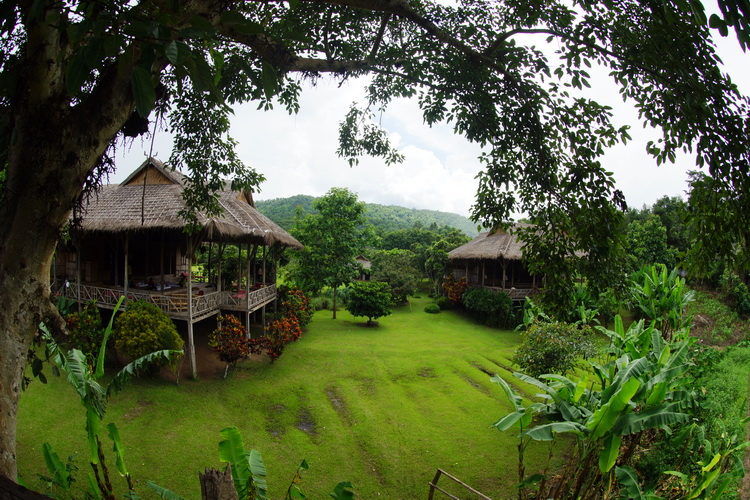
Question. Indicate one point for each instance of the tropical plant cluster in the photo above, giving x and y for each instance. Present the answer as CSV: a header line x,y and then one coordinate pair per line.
x,y
232,342
657,417
641,395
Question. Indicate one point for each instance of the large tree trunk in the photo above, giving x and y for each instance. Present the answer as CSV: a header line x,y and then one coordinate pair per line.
x,y
54,149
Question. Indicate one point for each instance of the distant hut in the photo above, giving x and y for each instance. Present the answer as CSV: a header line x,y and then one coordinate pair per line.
x,y
494,260
364,265
131,240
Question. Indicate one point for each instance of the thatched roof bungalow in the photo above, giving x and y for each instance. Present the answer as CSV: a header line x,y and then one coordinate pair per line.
x,y
494,260
130,240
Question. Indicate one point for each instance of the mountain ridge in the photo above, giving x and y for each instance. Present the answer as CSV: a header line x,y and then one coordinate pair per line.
x,y
386,217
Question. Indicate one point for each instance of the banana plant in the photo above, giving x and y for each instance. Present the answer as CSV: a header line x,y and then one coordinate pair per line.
x,y
85,380
642,387
662,297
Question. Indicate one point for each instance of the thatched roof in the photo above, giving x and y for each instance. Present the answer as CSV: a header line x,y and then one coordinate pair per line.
x,y
490,245
119,209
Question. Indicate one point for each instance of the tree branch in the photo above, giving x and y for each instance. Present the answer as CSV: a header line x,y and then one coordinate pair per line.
x,y
379,38
580,41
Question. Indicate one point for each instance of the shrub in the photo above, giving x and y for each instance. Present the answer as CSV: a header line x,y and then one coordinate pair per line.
x,y
454,288
143,328
736,292
320,303
371,299
294,302
279,333
85,331
444,303
432,308
491,308
553,348
230,340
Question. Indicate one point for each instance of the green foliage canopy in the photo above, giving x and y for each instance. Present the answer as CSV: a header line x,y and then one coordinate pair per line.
x,y
333,238
371,299
396,267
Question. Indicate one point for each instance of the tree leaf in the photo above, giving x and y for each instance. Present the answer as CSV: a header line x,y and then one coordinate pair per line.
x,y
343,491
546,432
606,416
55,467
172,51
118,448
144,90
232,450
103,347
163,492
270,80
609,453
629,480
76,73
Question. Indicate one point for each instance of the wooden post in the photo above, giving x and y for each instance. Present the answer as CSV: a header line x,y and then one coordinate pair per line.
x,y
161,261
78,275
125,272
210,251
239,266
218,278
263,312
247,295
191,341
505,268
265,280
482,280
116,248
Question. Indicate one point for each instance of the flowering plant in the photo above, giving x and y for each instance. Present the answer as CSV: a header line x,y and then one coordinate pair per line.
x,y
455,288
230,340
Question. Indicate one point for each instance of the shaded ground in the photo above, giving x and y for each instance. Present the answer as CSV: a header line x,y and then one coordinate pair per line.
x,y
207,362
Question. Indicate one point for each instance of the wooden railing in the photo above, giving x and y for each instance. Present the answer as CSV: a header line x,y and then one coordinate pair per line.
x,y
515,293
175,304
434,487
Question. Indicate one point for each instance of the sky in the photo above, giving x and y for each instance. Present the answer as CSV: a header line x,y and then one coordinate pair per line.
x,y
297,153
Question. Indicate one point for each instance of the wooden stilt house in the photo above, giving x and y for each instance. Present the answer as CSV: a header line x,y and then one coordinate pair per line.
x,y
494,260
131,241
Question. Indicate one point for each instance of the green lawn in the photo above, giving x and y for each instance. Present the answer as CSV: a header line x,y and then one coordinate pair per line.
x,y
381,407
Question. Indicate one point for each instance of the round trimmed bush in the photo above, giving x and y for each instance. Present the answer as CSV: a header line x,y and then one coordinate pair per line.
x,y
432,308
143,328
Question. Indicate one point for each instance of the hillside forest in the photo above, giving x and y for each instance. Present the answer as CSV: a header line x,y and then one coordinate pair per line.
x,y
384,218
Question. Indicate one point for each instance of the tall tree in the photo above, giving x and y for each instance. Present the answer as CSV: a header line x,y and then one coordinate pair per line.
x,y
77,75
333,238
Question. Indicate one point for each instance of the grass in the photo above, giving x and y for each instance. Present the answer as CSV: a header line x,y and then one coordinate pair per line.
x,y
381,407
